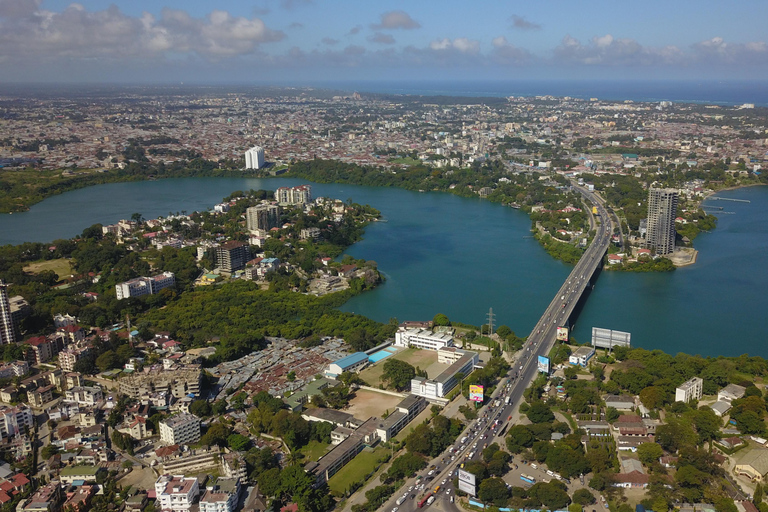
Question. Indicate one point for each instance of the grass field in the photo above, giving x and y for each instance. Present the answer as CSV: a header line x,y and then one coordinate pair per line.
x,y
61,266
314,450
355,471
420,358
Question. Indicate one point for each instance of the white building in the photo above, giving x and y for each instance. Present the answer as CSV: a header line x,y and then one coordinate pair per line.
x,y
422,338
254,158
222,496
581,356
301,194
84,395
442,384
730,393
180,429
14,419
176,493
144,285
690,390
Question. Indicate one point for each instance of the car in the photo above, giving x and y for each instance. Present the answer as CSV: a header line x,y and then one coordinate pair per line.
x,y
447,491
395,509
410,488
444,480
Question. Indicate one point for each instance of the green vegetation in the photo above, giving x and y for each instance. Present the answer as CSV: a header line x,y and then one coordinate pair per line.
x,y
644,265
364,464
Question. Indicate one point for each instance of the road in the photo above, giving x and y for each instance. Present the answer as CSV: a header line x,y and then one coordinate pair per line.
x,y
483,430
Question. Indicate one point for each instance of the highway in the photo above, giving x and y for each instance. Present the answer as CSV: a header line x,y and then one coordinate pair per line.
x,y
483,430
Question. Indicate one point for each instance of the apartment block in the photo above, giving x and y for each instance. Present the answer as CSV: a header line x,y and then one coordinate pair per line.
x,y
180,429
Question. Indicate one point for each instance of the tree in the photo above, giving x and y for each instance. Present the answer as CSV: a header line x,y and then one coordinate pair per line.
x,y
583,497
707,425
653,397
649,452
540,413
441,320
398,374
757,498
611,414
238,442
49,451
493,490
200,408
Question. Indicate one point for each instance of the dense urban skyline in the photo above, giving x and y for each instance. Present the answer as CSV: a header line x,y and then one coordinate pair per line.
x,y
271,40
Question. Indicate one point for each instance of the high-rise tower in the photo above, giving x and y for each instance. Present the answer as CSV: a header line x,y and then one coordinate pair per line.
x,y
662,210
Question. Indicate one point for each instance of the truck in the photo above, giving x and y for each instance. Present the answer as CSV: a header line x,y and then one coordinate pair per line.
x,y
506,401
425,500
430,500
400,500
594,210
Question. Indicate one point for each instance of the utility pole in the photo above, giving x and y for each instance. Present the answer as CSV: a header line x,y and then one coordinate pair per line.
x,y
490,321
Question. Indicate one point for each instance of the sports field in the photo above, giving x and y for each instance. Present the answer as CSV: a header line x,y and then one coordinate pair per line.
x,y
370,403
415,357
61,266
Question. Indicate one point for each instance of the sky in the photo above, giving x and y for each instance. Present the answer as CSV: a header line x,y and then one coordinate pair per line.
x,y
307,41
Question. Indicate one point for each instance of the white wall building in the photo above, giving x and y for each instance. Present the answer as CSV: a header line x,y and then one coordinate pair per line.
x,y
254,158
84,395
144,285
176,493
14,419
690,390
301,194
222,496
180,429
422,338
446,381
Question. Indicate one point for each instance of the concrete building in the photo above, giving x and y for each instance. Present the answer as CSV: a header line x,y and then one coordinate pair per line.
x,y
14,419
176,493
440,386
180,381
662,210
404,413
84,395
301,194
581,356
46,499
221,496
7,332
144,285
731,392
254,158
690,390
619,402
232,256
262,218
71,355
180,429
753,464
422,338
352,363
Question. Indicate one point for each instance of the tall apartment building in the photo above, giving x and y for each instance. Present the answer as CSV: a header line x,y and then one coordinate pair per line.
x,y
7,332
221,496
254,158
183,428
176,493
662,210
14,419
689,390
232,256
144,285
71,355
262,217
294,195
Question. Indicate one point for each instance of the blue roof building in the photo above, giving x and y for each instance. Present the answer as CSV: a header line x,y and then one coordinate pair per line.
x,y
351,363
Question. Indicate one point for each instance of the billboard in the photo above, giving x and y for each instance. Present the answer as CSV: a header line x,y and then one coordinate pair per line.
x,y
606,338
475,393
562,334
544,364
467,482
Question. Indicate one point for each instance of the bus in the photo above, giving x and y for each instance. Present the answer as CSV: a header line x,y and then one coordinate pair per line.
x,y
423,501
527,478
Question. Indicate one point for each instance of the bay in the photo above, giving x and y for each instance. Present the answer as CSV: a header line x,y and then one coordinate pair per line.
x,y
458,256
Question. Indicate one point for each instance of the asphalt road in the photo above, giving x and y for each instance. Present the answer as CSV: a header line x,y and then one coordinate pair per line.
x,y
483,430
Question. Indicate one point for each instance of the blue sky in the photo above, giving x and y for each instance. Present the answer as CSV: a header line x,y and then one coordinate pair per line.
x,y
318,40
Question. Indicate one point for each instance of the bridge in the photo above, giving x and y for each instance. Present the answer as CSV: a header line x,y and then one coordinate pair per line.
x,y
569,298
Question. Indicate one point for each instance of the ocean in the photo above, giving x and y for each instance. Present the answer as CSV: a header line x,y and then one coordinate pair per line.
x,y
725,93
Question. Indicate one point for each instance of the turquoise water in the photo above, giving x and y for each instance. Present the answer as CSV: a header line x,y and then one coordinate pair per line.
x,y
458,256
381,354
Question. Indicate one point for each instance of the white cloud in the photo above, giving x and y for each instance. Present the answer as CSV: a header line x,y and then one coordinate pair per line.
x,y
506,53
380,38
719,51
610,51
82,34
460,44
396,20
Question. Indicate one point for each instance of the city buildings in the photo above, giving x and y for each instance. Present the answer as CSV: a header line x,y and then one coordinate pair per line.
x,y
352,363
301,194
144,285
254,158
71,355
14,419
662,211
176,493
689,390
221,496
182,428
581,356
232,256
261,218
422,338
